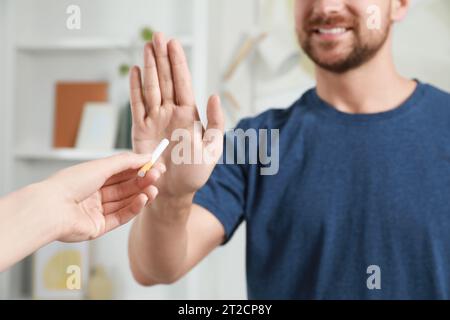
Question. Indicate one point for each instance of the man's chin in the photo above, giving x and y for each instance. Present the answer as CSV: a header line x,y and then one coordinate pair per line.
x,y
336,63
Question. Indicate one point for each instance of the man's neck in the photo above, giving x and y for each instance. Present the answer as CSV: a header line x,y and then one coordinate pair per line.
x,y
373,87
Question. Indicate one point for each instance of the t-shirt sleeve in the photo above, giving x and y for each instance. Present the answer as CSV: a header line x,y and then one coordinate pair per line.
x,y
224,193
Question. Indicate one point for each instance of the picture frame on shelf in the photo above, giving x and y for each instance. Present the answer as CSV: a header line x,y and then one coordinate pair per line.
x,y
98,127
61,271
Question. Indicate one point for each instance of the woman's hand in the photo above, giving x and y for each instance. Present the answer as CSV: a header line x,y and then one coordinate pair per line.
x,y
76,204
93,198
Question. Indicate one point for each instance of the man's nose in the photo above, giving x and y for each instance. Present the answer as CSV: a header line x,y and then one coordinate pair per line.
x,y
326,7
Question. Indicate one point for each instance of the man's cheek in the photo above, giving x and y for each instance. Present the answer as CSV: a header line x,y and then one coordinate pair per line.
x,y
373,21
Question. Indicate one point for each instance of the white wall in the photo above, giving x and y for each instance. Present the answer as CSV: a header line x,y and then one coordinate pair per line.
x,y
2,108
230,22
2,89
3,278
421,43
4,125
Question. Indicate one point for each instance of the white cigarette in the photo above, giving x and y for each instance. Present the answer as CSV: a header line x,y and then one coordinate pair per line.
x,y
155,156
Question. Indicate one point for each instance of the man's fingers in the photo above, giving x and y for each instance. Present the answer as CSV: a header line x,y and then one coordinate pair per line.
x,y
128,188
213,136
124,215
214,114
152,91
181,75
164,69
137,103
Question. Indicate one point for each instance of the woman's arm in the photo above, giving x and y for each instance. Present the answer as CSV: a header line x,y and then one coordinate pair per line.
x,y
24,227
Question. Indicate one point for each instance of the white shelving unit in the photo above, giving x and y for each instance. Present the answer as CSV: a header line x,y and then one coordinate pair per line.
x,y
64,154
40,50
86,44
4,185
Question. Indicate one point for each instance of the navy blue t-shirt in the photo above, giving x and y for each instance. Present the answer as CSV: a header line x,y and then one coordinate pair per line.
x,y
359,208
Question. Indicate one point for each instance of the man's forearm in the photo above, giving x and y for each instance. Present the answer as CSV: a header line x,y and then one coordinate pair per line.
x,y
158,241
25,226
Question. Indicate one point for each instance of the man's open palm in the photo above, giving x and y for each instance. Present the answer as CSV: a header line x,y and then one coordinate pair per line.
x,y
162,102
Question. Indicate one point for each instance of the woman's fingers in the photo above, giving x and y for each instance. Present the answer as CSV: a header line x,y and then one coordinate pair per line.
x,y
138,110
164,69
181,75
111,166
152,91
112,207
130,174
130,187
124,215
123,176
82,180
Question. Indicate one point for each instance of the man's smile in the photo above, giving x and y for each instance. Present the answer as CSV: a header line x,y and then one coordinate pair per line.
x,y
327,33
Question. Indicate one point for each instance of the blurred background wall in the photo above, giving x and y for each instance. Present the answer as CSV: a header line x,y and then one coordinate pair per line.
x,y
243,49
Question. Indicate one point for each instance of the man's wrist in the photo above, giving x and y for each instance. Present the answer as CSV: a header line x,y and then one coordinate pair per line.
x,y
171,209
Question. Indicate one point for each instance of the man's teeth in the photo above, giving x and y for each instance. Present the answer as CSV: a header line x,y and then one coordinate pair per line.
x,y
332,31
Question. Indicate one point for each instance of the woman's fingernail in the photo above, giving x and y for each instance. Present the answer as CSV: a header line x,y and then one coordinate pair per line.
x,y
156,174
154,192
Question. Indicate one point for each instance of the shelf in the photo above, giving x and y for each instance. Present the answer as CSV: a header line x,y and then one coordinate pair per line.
x,y
65,154
87,44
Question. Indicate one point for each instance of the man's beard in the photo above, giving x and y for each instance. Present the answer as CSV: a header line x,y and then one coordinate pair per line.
x,y
360,52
